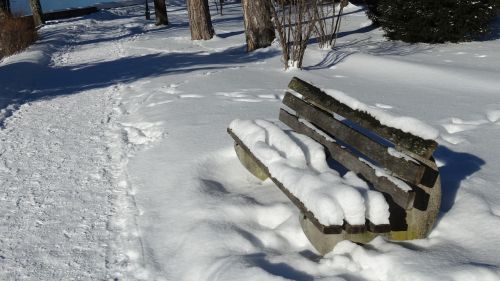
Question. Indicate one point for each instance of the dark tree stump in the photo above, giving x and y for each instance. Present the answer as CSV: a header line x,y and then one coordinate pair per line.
x,y
161,12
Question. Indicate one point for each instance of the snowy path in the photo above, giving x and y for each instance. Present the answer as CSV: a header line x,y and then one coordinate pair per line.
x,y
56,188
65,207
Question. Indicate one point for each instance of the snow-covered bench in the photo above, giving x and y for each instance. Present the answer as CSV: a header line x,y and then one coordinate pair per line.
x,y
392,187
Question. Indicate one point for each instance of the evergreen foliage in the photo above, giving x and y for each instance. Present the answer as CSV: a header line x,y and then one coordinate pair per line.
x,y
433,21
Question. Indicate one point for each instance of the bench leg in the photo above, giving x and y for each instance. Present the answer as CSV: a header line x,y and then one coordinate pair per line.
x,y
248,161
421,220
420,223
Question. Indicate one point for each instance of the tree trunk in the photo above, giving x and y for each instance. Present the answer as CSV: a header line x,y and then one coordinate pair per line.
x,y
36,9
259,29
200,22
147,14
4,8
161,12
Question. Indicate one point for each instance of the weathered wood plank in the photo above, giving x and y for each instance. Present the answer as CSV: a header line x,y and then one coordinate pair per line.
x,y
325,243
353,229
409,170
378,228
417,145
350,161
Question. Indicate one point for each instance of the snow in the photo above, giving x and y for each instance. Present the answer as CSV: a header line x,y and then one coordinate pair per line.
x,y
404,123
115,162
299,163
393,152
381,172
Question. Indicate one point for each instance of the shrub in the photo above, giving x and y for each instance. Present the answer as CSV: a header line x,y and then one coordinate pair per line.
x,y
328,21
371,10
434,21
294,21
16,34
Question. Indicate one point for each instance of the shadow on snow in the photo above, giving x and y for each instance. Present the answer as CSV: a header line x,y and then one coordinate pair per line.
x,y
457,167
47,81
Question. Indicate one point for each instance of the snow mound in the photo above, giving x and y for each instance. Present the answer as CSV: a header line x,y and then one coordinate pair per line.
x,y
300,164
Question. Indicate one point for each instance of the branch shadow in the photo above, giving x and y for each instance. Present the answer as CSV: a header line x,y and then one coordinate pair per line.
x,y
368,46
457,167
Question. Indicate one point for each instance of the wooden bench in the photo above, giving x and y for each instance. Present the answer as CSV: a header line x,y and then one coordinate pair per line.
x,y
383,156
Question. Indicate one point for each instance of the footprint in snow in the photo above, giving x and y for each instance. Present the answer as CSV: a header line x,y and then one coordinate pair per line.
x,y
192,96
231,94
493,115
153,104
243,96
209,73
458,125
383,106
248,100
142,133
452,139
170,89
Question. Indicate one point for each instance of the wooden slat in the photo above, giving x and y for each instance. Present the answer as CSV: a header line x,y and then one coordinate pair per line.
x,y
409,170
354,229
378,228
331,229
350,161
417,145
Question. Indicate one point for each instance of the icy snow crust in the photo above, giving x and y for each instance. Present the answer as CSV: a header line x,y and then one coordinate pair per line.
x,y
299,163
120,167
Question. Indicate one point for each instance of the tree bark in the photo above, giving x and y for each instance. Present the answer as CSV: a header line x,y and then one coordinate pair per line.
x,y
200,22
147,14
36,9
161,12
259,29
4,8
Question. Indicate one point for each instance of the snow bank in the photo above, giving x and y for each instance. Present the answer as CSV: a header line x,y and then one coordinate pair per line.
x,y
404,123
299,163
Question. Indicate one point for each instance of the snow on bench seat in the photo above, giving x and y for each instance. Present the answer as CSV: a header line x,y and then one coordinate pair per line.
x,y
299,164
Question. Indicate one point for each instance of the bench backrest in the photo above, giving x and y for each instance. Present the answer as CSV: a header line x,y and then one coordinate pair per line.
x,y
396,163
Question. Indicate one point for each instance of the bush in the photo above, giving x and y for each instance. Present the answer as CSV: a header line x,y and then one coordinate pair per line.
x,y
433,21
16,34
371,10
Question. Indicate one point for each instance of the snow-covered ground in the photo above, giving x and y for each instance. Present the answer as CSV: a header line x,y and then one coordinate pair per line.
x,y
115,162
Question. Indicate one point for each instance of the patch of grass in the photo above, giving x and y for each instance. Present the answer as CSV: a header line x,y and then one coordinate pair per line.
x,y
16,34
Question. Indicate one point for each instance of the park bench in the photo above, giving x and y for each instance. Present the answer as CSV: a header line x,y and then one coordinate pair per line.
x,y
397,164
